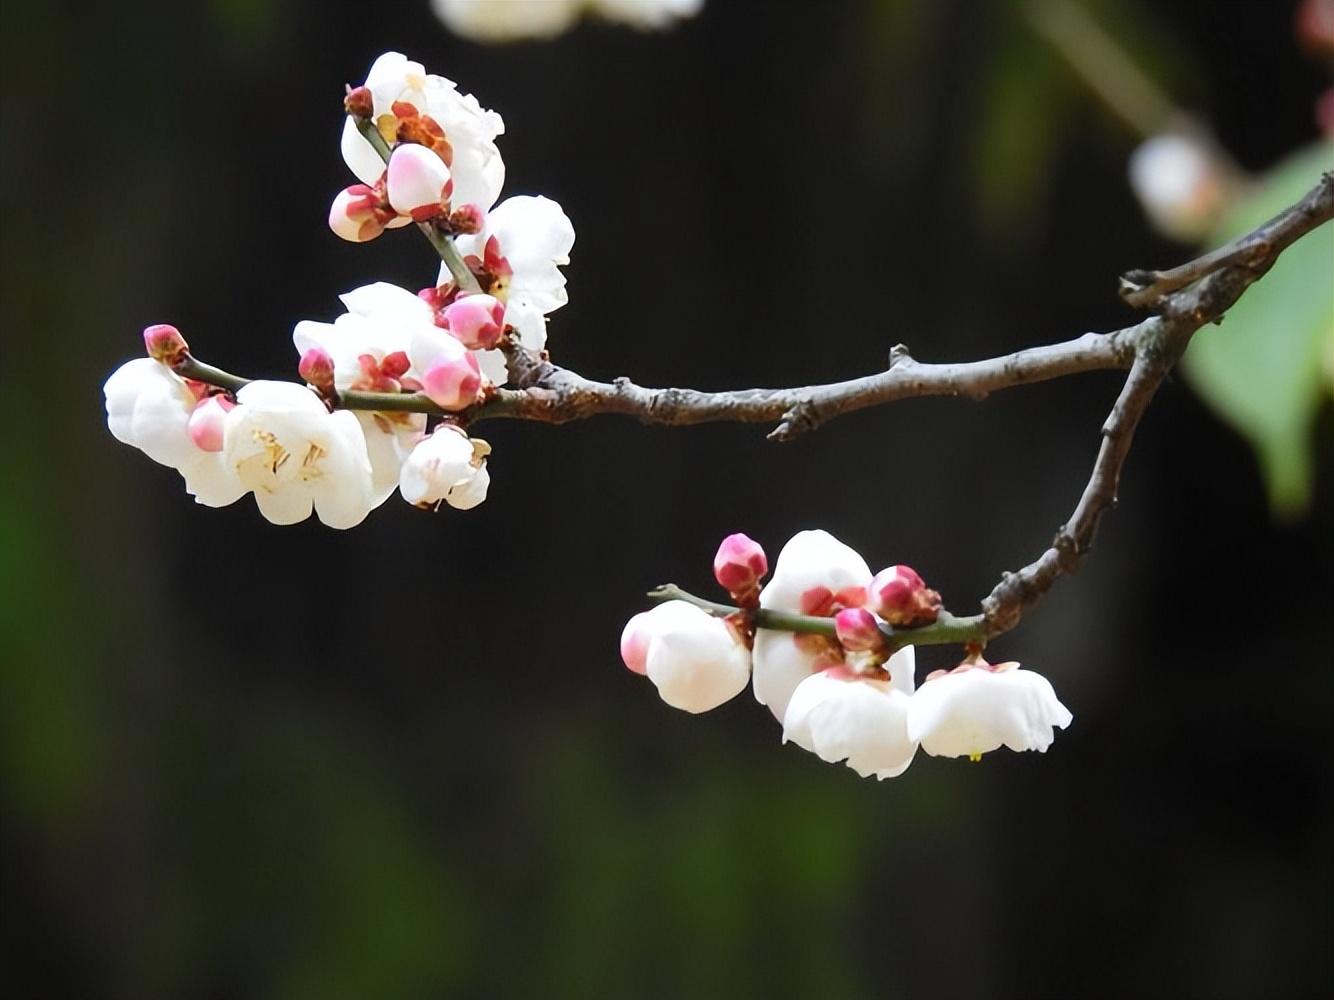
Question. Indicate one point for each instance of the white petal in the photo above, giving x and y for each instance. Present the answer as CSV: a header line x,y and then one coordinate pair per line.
x,y
211,481
780,665
976,711
861,721
812,560
359,155
470,492
382,300
693,659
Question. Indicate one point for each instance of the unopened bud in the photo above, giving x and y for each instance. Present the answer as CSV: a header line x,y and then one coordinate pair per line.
x,y
902,598
317,368
476,320
418,182
858,631
454,383
359,102
206,422
354,214
739,566
165,344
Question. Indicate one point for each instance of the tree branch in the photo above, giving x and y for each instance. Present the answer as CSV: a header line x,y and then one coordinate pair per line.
x,y
1186,298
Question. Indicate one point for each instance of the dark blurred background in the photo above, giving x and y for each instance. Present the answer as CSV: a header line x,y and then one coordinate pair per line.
x,y
405,761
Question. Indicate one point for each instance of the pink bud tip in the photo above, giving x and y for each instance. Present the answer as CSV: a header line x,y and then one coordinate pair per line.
x,y
739,565
165,344
476,320
417,182
317,368
454,384
359,102
857,630
353,215
206,422
901,597
634,643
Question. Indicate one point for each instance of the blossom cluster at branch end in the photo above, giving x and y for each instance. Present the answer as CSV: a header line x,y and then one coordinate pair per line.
x,y
424,153
839,693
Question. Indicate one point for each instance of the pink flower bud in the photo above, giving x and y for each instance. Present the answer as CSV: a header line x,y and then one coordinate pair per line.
x,y
317,368
206,422
739,566
354,215
417,182
634,642
476,320
165,344
858,631
359,102
454,383
902,598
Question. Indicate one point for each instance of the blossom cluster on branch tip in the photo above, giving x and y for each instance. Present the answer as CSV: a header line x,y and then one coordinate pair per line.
x,y
288,444
845,697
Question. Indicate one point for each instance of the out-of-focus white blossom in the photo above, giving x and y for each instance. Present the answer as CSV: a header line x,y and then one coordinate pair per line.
x,y
447,465
150,408
695,660
295,456
474,162
518,252
513,20
369,348
1180,184
973,710
816,574
840,716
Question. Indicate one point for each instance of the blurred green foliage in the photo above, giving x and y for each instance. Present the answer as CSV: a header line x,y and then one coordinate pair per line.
x,y
1270,367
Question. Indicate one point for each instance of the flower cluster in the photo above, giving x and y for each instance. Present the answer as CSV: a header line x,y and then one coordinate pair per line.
x,y
424,153
818,645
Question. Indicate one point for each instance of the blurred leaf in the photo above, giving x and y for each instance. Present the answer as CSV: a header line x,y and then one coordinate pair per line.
x,y
1263,370
1023,114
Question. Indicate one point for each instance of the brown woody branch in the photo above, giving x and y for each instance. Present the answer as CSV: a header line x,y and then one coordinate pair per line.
x,y
1185,299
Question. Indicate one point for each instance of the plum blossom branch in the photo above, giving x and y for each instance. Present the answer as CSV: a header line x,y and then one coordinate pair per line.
x,y
1216,281
946,630
444,246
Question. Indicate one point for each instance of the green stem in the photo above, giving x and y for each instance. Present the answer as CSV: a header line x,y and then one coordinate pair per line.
x,y
946,630
200,372
464,279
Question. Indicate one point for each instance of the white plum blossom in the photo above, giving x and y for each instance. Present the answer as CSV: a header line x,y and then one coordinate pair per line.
x,y
839,715
518,252
975,709
151,408
696,661
446,466
511,20
369,348
401,90
815,574
295,455
1180,184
